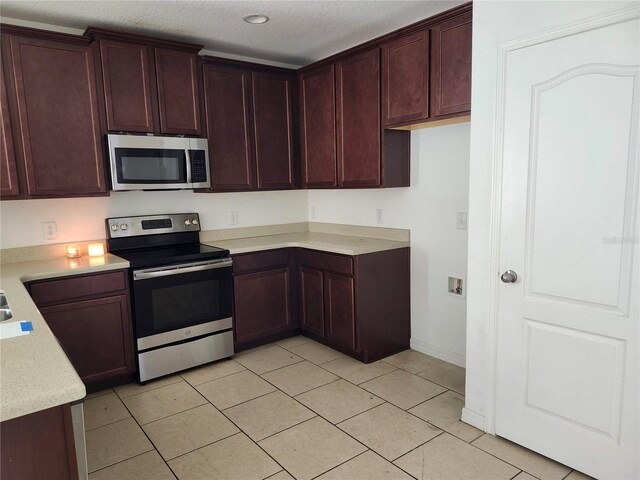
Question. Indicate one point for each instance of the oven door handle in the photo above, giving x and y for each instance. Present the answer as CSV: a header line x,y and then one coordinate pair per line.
x,y
179,269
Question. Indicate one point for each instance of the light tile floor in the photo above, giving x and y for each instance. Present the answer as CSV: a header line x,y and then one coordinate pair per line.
x,y
298,409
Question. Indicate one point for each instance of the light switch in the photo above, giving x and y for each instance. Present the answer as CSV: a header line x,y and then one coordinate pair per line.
x,y
461,221
233,217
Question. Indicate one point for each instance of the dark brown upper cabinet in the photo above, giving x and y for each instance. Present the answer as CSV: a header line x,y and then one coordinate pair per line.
x,y
56,114
150,85
405,79
318,127
227,101
359,132
178,96
426,74
273,127
127,88
8,176
451,67
250,124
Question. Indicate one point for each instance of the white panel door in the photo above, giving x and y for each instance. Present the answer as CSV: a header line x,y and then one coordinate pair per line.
x,y
567,348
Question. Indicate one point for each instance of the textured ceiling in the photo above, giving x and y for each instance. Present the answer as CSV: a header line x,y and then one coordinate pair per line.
x,y
299,32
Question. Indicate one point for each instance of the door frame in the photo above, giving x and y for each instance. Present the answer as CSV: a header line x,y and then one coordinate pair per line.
x,y
495,221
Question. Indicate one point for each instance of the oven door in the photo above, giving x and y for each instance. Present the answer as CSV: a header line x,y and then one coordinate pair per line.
x,y
177,302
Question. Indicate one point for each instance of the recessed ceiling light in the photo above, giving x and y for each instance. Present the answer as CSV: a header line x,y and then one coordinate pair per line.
x,y
256,19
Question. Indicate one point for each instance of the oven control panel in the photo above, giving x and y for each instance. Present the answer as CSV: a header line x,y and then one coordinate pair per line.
x,y
152,225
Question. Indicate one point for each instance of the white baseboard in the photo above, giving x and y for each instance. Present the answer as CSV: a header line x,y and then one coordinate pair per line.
x,y
474,419
445,355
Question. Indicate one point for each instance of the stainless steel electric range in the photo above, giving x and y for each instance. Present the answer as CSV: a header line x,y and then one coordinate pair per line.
x,y
182,292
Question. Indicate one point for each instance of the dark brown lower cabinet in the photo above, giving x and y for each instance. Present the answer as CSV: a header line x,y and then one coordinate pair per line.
x,y
90,317
360,304
312,300
39,445
340,314
95,334
263,296
356,304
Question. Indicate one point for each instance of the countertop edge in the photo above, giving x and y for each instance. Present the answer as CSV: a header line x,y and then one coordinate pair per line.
x,y
14,276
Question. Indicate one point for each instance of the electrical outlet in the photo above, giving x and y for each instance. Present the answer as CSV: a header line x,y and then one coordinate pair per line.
x,y
461,220
233,217
313,212
49,230
379,215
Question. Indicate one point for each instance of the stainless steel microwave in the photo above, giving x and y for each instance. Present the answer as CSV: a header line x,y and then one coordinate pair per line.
x,y
146,162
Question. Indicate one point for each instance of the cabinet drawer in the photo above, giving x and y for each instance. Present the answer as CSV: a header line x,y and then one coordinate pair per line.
x,y
329,262
62,290
259,261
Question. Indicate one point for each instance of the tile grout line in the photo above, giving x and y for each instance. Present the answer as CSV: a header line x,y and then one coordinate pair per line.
x,y
155,448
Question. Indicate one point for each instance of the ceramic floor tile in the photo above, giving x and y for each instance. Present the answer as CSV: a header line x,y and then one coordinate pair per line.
x,y
364,467
164,401
299,378
576,475
339,400
234,458
102,410
524,476
316,352
268,359
148,466
130,389
293,342
231,390
446,374
212,371
389,431
355,371
189,430
311,448
114,443
283,475
447,457
444,412
98,394
412,361
403,389
541,467
268,414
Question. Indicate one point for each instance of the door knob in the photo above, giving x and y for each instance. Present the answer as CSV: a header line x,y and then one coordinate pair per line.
x,y
509,276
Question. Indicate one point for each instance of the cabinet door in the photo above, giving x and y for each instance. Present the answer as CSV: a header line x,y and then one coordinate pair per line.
x,y
405,78
96,334
318,127
451,66
8,177
272,117
359,130
312,301
262,304
60,141
178,96
339,304
227,100
127,89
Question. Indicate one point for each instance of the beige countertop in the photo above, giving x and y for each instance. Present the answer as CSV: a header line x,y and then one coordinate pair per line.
x,y
35,373
327,242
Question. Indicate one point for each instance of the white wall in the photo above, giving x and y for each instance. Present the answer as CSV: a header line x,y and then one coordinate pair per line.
x,y
439,189
493,23
81,219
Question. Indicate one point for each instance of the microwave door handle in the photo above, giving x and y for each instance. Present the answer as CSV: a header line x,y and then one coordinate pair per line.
x,y
177,270
187,157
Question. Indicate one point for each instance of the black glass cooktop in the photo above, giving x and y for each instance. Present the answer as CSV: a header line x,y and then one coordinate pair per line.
x,y
171,254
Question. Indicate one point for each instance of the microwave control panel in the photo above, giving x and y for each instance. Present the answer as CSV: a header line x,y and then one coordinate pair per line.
x,y
198,166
